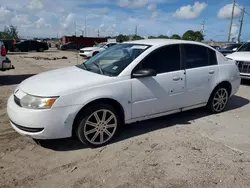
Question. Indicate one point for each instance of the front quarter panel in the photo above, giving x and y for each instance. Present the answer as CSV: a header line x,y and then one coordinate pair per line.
x,y
119,91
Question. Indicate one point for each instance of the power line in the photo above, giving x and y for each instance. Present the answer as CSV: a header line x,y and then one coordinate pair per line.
x,y
242,9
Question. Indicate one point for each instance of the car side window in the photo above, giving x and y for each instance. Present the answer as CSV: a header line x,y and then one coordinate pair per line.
x,y
195,56
162,60
212,57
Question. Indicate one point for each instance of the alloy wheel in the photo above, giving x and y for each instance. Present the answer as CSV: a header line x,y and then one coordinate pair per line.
x,y
220,100
100,126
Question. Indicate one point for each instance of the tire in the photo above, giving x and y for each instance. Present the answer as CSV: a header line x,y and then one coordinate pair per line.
x,y
96,133
218,100
95,53
40,50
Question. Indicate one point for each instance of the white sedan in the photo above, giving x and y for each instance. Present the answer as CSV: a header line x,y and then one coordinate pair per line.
x,y
88,52
130,82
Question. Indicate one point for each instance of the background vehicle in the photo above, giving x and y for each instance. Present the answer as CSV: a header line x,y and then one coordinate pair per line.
x,y
72,46
216,47
5,63
242,58
129,82
230,48
31,45
91,51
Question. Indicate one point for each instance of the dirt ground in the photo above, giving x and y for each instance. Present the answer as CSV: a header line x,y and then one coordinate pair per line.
x,y
190,149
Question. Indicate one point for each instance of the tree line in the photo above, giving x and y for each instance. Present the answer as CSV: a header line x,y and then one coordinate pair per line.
x,y
11,32
188,35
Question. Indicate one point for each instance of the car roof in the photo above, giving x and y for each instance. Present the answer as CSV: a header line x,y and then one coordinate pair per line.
x,y
162,42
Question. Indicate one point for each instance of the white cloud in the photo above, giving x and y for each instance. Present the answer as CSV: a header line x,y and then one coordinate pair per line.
x,y
41,23
152,6
69,20
133,3
154,15
35,4
5,15
226,11
20,19
190,12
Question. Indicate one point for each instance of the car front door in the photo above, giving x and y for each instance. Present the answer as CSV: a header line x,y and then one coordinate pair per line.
x,y
163,92
201,73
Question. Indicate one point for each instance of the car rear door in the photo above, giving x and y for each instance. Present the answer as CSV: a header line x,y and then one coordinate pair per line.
x,y
201,72
161,93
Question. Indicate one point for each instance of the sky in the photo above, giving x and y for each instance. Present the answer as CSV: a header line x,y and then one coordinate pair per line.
x,y
52,18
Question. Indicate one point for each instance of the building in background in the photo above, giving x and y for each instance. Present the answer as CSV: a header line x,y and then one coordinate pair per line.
x,y
88,41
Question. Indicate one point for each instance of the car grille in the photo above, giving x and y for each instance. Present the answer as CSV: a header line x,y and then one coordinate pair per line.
x,y
27,129
244,67
81,51
17,101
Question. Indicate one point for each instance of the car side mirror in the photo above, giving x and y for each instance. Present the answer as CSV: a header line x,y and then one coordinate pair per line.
x,y
105,47
144,73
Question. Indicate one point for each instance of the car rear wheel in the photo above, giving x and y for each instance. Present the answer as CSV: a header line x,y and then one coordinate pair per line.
x,y
218,100
40,50
98,125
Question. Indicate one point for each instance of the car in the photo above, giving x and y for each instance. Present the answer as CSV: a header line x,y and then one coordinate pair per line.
x,y
242,58
5,63
215,47
72,46
230,48
92,51
30,45
129,82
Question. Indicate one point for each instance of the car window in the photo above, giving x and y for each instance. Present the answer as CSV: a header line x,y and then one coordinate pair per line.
x,y
212,57
165,59
245,48
195,56
114,60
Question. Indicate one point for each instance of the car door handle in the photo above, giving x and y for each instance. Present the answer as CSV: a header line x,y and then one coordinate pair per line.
x,y
176,78
211,72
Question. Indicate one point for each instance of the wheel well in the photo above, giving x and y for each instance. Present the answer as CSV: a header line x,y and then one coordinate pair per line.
x,y
111,102
227,85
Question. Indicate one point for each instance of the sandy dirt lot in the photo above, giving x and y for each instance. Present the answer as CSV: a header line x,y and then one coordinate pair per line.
x,y
191,149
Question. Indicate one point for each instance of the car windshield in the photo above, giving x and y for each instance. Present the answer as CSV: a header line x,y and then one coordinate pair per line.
x,y
245,47
114,60
100,45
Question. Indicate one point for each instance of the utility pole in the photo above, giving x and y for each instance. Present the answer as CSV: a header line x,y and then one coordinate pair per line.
x,y
136,30
98,33
231,22
85,31
203,27
75,28
241,23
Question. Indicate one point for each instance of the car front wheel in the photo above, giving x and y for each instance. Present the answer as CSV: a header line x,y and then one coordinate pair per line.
x,y
218,100
98,125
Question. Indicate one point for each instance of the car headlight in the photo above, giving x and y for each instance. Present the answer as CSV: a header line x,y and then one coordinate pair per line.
x,y
33,102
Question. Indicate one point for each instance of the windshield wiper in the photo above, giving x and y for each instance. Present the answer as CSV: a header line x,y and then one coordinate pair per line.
x,y
99,67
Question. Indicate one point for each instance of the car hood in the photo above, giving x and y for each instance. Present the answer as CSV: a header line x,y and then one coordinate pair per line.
x,y
91,48
240,56
61,81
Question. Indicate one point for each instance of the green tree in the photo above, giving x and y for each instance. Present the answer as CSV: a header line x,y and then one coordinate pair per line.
x,y
4,35
175,36
11,31
152,37
193,35
136,37
122,38
162,37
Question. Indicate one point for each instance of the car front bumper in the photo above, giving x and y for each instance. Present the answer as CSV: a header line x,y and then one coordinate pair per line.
x,y
86,54
42,124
